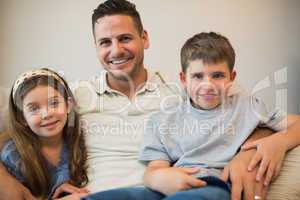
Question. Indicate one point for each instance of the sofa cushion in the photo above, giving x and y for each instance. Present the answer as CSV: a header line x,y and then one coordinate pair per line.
x,y
287,185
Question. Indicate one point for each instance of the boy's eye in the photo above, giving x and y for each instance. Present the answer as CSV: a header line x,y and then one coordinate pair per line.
x,y
198,76
218,75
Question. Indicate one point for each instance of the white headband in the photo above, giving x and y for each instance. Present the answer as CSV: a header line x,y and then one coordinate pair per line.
x,y
29,74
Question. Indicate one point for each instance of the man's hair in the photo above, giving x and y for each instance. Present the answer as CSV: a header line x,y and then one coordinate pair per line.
x,y
118,7
211,48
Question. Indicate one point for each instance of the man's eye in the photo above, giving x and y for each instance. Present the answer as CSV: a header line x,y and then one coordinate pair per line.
x,y
125,39
104,43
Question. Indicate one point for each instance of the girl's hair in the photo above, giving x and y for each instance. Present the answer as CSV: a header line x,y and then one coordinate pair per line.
x,y
34,165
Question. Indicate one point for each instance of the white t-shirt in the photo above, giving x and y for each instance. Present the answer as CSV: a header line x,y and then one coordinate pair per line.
x,y
114,127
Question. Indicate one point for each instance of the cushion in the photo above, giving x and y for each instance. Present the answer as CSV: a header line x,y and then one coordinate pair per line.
x,y
287,184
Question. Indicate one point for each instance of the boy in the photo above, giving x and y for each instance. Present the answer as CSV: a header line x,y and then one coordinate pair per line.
x,y
187,149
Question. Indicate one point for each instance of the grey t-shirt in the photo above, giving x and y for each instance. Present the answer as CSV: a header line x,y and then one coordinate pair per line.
x,y
207,139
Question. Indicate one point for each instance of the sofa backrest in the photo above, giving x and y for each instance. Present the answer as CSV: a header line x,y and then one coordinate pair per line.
x,y
4,94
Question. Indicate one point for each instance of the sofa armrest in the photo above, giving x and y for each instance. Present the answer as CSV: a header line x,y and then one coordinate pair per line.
x,y
287,184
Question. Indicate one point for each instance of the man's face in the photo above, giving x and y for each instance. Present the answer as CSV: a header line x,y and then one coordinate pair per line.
x,y
206,85
120,48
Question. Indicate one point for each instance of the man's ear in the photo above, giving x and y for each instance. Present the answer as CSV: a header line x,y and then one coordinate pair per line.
x,y
146,40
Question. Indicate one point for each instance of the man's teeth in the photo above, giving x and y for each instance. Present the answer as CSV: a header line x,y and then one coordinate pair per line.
x,y
117,62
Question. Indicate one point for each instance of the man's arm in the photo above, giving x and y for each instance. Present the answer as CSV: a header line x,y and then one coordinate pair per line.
x,y
244,181
271,150
10,188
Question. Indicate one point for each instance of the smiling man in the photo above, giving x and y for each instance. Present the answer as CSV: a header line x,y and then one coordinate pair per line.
x,y
116,105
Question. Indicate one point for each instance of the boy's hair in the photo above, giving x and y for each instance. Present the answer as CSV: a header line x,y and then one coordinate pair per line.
x,y
34,166
118,7
211,48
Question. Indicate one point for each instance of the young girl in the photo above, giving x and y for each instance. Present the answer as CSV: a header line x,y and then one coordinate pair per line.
x,y
47,149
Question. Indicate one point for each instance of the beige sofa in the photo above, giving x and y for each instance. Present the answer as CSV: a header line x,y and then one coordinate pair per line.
x,y
285,187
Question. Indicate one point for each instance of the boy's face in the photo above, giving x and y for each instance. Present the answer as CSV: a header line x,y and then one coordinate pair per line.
x,y
206,85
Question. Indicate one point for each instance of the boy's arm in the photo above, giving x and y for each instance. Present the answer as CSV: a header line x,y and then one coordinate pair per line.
x,y
151,177
160,176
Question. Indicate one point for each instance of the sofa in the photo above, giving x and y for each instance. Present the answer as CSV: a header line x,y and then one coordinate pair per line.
x,y
285,187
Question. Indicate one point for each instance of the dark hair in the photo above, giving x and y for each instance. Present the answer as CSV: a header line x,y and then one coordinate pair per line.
x,y
117,7
34,165
210,47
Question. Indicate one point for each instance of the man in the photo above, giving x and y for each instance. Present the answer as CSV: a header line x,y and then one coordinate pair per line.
x,y
116,105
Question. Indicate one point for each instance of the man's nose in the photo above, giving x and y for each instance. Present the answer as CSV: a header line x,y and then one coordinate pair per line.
x,y
117,49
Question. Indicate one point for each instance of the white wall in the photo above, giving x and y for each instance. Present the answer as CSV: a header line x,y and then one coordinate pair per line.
x,y
264,33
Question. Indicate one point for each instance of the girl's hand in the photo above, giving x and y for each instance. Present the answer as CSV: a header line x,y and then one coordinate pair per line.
x,y
68,188
76,196
269,155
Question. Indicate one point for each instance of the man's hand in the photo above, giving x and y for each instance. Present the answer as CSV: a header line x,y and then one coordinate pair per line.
x,y
10,188
243,181
269,156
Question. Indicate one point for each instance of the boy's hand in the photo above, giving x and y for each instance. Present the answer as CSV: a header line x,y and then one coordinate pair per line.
x,y
68,188
270,154
173,179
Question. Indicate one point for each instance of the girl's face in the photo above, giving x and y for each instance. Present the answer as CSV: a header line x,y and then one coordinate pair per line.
x,y
45,112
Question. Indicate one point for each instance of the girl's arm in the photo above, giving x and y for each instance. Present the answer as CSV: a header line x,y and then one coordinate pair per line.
x,y
11,188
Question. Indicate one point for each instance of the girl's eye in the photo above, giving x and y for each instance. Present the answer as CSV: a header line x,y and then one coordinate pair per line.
x,y
54,103
33,109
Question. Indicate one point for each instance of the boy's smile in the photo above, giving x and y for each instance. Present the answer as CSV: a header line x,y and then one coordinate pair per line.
x,y
207,84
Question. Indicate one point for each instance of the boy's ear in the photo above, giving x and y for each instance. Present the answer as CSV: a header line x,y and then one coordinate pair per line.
x,y
233,75
183,79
